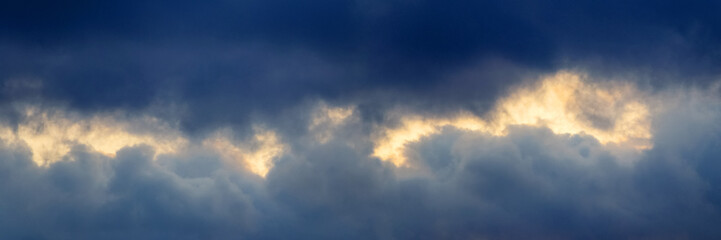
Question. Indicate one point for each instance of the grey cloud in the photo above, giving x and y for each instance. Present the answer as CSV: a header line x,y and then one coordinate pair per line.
x,y
529,184
125,197
234,64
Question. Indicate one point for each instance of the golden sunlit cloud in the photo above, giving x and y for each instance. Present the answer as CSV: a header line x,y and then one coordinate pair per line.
x,y
256,155
51,135
566,103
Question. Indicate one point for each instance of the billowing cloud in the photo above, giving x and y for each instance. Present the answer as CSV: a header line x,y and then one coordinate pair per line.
x,y
647,171
50,135
256,156
345,119
566,103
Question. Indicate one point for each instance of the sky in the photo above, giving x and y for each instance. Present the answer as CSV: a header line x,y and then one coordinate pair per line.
x,y
360,119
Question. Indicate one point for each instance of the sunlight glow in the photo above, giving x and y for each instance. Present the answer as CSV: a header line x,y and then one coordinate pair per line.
x,y
565,102
51,135
256,155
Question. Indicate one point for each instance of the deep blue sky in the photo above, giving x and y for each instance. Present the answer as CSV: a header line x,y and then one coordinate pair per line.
x,y
201,66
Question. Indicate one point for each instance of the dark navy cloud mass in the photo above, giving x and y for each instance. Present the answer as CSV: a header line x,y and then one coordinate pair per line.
x,y
342,119
126,53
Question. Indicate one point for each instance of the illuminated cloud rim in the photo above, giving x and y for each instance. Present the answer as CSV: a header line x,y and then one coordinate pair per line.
x,y
614,113
566,103
50,136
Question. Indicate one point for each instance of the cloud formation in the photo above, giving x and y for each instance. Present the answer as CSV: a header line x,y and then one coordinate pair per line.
x,y
531,181
565,103
346,119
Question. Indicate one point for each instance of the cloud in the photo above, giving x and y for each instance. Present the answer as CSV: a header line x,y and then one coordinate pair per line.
x,y
267,59
566,103
51,134
359,119
327,119
256,156
530,182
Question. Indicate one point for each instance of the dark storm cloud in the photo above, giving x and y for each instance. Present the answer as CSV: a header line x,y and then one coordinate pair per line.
x,y
263,56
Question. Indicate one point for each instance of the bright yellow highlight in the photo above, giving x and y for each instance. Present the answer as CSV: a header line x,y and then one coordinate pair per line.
x,y
326,119
565,103
50,136
256,155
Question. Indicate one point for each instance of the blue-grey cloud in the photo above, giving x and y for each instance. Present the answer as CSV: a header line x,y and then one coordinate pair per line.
x,y
187,120
531,183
